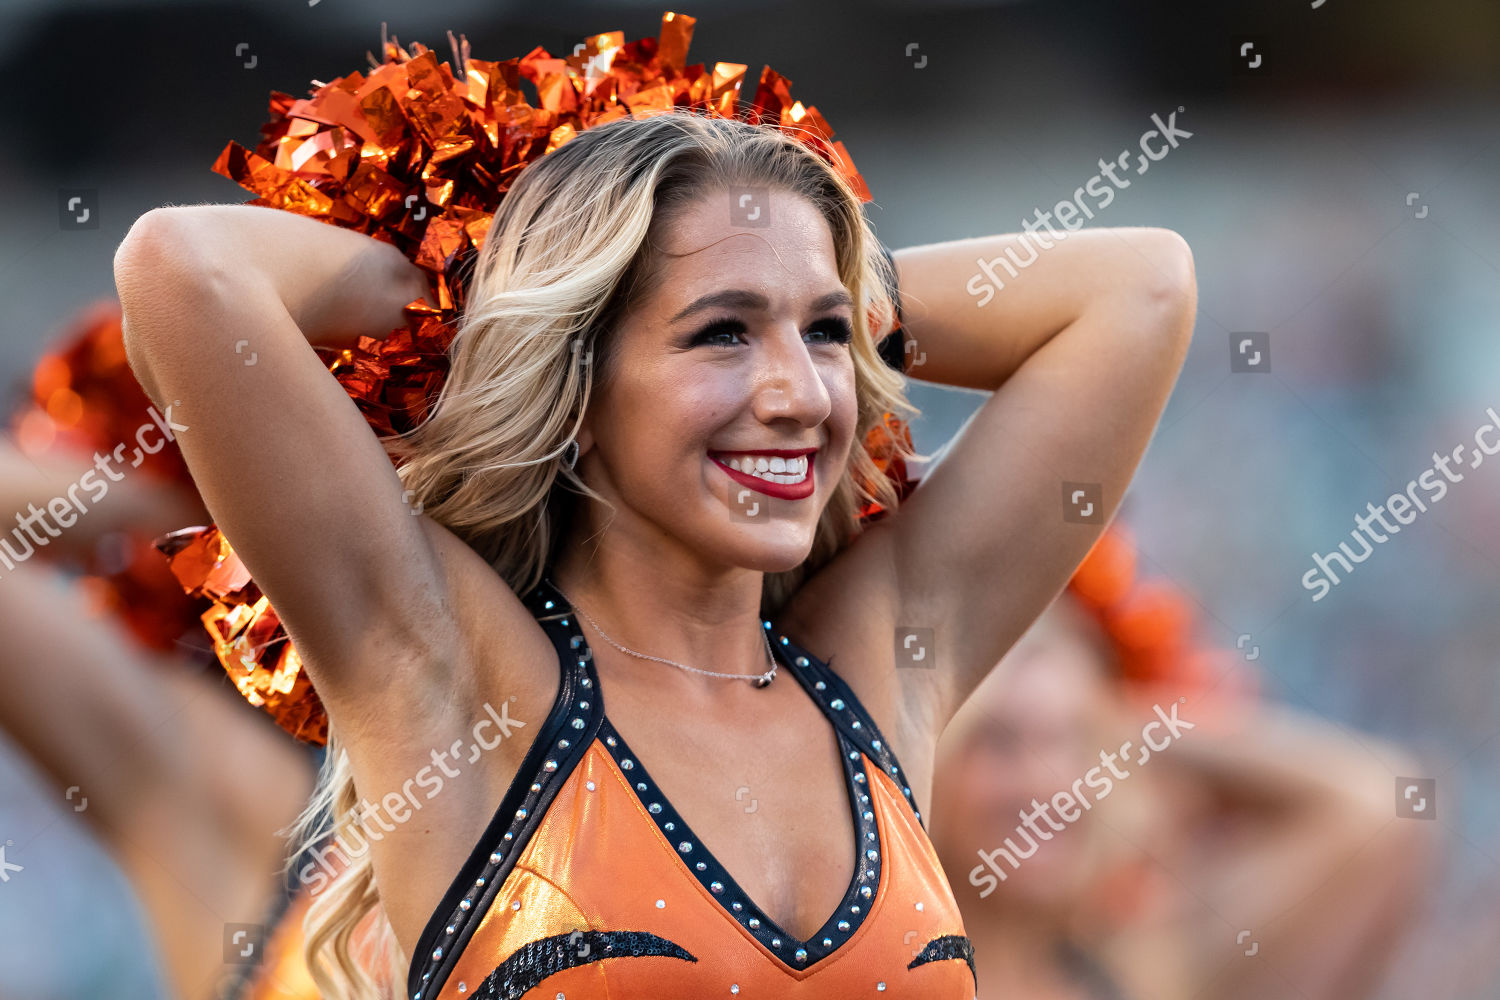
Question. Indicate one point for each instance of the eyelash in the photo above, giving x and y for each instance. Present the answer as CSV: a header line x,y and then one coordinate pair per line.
x,y
839,329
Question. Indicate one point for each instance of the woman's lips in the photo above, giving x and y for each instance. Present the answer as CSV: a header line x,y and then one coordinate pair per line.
x,y
782,491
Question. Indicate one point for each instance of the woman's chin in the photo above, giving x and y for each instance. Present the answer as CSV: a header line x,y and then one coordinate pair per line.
x,y
778,559
770,549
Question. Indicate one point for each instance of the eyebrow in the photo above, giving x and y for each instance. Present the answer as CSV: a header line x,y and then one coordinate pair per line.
x,y
738,298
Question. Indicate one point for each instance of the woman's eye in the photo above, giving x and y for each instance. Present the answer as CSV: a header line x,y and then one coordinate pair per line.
x,y
721,332
713,333
837,330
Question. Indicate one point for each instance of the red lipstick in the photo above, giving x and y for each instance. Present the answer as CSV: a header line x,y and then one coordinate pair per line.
x,y
782,491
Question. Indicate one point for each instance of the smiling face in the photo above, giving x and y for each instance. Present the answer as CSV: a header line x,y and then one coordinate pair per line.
x,y
727,419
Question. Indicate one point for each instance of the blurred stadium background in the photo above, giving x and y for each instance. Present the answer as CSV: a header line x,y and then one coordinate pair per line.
x,y
1340,197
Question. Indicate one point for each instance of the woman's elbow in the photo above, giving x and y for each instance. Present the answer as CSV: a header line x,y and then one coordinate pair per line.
x,y
149,254
153,281
1171,274
1169,281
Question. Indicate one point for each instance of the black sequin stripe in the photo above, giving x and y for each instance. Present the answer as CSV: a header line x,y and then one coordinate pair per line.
x,y
534,961
947,946
555,751
847,712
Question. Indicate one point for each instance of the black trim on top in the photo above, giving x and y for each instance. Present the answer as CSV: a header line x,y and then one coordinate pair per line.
x,y
561,742
728,893
711,873
533,788
850,716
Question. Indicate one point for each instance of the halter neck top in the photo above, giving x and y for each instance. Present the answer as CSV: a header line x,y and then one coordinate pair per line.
x,y
588,883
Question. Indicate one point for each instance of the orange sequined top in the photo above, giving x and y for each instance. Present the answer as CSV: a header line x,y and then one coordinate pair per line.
x,y
588,883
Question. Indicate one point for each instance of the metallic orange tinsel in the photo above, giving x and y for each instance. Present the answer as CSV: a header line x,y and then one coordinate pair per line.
x,y
84,400
419,153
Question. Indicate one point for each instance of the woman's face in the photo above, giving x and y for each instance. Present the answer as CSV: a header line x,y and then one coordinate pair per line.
x,y
738,355
1033,727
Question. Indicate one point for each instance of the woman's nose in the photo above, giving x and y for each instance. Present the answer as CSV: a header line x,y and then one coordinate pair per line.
x,y
788,382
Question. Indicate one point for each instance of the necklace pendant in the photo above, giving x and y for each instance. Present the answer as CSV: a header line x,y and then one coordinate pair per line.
x,y
765,678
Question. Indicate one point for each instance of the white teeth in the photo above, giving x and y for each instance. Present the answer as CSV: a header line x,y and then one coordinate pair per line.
x,y
786,471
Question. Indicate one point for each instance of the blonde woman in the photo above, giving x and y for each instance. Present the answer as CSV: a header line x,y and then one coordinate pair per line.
x,y
625,547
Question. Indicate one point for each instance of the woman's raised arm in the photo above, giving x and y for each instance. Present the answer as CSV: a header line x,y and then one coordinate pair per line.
x,y
1299,844
1081,348
222,304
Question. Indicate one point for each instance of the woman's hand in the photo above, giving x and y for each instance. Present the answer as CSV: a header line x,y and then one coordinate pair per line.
x,y
135,503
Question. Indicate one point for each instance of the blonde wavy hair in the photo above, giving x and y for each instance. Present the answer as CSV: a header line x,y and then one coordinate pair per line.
x,y
574,245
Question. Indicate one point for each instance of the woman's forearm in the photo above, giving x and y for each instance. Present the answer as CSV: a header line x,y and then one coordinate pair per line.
x,y
1314,842
1028,293
137,502
1279,760
337,284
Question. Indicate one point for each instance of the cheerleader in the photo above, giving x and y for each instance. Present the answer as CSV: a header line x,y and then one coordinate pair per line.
x,y
548,620
1185,839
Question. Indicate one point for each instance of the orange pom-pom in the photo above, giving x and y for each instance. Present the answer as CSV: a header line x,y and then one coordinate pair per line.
x,y
419,153
1149,623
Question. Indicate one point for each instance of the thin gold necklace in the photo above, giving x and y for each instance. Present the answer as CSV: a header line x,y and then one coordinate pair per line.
x,y
759,680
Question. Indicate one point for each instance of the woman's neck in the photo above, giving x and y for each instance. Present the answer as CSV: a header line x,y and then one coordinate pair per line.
x,y
664,605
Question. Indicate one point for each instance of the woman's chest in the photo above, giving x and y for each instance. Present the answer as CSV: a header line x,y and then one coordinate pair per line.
x,y
769,797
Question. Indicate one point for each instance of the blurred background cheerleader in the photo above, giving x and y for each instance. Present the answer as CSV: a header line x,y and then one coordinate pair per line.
x,y
1122,818
112,695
